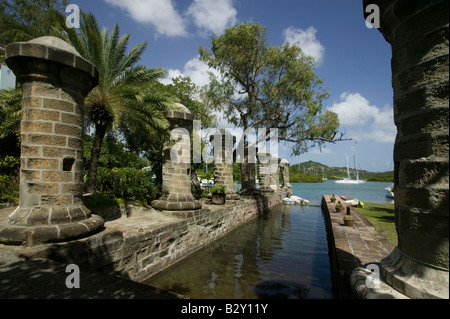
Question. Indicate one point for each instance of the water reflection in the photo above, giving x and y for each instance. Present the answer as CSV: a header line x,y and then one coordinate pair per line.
x,y
283,254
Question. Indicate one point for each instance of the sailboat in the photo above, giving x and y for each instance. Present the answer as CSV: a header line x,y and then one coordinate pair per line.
x,y
349,180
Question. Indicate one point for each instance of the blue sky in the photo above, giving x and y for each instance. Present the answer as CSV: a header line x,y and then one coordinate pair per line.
x,y
353,60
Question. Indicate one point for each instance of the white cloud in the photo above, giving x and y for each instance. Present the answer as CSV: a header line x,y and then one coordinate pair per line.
x,y
369,121
197,70
212,15
354,110
160,13
306,40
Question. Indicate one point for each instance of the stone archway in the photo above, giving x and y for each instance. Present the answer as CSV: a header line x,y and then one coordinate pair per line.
x,y
418,33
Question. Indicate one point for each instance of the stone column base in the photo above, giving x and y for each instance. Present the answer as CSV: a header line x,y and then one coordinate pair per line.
x,y
232,196
56,230
176,202
414,278
266,189
364,287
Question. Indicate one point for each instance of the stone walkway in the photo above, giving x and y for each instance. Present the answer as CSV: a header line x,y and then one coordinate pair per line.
x,y
352,250
22,278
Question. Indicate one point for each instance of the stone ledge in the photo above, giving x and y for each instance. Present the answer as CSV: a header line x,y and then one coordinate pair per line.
x,y
351,250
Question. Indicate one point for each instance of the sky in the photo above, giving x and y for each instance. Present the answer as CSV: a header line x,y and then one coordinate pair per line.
x,y
352,60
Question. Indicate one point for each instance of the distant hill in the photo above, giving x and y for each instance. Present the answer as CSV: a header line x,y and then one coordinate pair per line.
x,y
319,170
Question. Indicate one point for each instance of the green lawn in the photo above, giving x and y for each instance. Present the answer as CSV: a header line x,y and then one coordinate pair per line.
x,y
381,215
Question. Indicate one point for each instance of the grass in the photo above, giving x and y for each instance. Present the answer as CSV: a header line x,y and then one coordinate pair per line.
x,y
381,215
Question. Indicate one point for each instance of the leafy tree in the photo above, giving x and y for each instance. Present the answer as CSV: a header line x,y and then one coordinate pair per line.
x,y
189,95
123,92
269,86
10,116
23,20
264,86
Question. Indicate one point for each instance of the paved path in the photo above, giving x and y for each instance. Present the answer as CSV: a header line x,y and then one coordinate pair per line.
x,y
354,249
45,279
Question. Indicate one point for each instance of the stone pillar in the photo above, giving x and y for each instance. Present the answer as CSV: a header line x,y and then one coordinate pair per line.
x,y
223,142
284,166
418,33
264,171
176,168
275,172
248,171
55,80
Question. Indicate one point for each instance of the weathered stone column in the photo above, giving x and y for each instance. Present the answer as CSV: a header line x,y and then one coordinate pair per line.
x,y
275,172
176,168
264,171
284,166
248,171
55,80
223,161
418,33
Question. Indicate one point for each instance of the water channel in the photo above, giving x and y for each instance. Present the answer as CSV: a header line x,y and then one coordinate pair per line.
x,y
283,254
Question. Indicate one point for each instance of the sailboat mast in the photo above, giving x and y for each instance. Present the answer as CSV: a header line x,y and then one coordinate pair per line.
x,y
356,169
348,170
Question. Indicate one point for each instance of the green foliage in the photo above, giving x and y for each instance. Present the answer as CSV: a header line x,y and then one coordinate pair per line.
x,y
23,20
219,189
123,96
298,176
263,86
114,153
100,200
321,170
127,183
9,179
10,116
188,94
382,216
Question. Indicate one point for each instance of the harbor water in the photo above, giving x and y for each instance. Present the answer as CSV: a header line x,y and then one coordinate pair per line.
x,y
282,254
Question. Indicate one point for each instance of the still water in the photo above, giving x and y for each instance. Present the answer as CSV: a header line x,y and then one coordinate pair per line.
x,y
283,254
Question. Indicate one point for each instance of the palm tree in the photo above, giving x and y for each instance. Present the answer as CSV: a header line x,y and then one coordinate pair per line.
x,y
123,90
10,117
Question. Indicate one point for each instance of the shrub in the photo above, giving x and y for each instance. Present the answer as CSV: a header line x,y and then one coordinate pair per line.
x,y
220,189
9,179
128,183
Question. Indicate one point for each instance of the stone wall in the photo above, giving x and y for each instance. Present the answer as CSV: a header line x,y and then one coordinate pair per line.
x,y
418,32
149,241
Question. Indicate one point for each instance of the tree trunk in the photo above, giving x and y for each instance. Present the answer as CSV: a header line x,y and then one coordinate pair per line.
x,y
100,132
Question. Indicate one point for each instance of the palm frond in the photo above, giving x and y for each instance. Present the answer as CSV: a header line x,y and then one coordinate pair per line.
x,y
10,102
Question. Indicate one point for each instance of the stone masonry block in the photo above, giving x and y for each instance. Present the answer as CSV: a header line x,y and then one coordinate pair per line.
x,y
51,200
42,115
56,177
58,152
71,119
31,151
59,105
68,130
42,163
36,127
47,140
43,189
32,102
30,176
44,90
